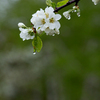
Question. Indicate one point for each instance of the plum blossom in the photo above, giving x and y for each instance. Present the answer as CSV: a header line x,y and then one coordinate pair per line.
x,y
26,34
38,19
47,21
51,31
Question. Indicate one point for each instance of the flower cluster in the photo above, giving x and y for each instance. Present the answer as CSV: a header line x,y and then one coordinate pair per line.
x,y
26,33
43,21
67,14
95,1
47,21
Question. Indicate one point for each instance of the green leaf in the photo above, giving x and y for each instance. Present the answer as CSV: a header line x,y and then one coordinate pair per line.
x,y
61,3
37,44
49,2
53,5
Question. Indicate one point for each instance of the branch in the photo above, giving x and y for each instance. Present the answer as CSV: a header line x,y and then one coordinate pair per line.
x,y
68,3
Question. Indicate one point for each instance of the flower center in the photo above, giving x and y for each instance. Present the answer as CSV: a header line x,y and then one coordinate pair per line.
x,y
43,21
47,15
52,20
30,32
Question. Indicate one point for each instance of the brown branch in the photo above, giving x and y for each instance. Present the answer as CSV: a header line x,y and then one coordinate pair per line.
x,y
68,3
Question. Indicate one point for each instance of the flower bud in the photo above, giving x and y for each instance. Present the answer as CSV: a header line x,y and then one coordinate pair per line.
x,y
21,25
95,1
67,15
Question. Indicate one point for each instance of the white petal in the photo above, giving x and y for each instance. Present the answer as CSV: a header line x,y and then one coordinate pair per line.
x,y
57,24
52,25
25,35
49,9
57,16
67,15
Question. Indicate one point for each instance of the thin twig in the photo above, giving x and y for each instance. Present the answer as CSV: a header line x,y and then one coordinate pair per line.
x,y
68,3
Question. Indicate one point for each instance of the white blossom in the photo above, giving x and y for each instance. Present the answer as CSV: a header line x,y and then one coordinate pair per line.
x,y
26,34
52,18
67,15
38,19
39,31
95,1
51,31
46,20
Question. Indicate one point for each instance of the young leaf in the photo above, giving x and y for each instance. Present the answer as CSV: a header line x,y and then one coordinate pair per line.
x,y
49,2
53,5
37,44
61,3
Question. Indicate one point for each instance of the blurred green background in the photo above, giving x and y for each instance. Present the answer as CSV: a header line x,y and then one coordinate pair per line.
x,y
68,66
